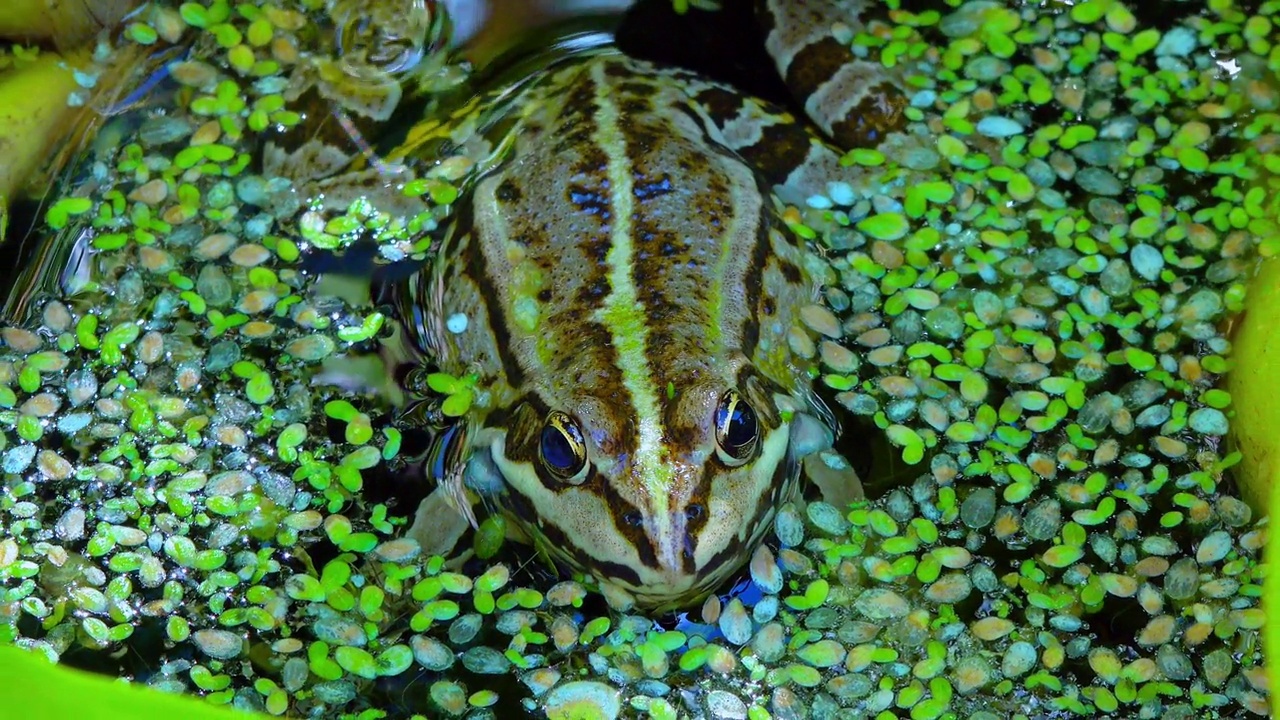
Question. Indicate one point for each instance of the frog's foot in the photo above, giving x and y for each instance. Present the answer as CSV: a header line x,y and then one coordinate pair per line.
x,y
358,375
835,478
619,599
438,526
312,160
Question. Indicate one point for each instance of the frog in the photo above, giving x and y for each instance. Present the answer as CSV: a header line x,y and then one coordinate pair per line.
x,y
621,284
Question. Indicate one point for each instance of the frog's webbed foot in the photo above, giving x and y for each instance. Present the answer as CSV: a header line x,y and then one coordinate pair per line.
x,y
444,516
438,526
835,479
446,458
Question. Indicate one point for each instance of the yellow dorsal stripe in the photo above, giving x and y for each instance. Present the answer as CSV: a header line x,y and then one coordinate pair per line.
x,y
622,313
748,210
733,230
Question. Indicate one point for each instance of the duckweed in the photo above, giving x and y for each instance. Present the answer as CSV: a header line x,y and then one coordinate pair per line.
x,y
1027,309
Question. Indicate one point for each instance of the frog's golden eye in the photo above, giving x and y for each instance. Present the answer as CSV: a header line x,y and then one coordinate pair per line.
x,y
737,431
562,449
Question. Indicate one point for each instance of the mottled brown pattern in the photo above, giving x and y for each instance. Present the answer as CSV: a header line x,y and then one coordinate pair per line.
x,y
523,437
469,297
522,419
568,216
579,103
780,149
754,289
507,191
720,102
625,266
573,123
456,284
879,112
815,64
855,101
699,240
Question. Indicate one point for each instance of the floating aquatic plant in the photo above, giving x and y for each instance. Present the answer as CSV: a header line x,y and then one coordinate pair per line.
x,y
1028,296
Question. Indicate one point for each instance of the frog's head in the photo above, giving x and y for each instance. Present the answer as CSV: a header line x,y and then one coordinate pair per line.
x,y
663,495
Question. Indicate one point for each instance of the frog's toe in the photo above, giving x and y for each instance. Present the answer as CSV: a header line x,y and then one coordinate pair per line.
x,y
835,478
438,526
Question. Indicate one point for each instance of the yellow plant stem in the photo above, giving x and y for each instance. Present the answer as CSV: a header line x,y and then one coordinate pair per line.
x,y
37,689
34,115
1253,382
1270,599
1255,432
25,19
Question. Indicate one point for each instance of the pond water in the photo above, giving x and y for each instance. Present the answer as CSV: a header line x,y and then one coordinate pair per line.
x,y
1029,281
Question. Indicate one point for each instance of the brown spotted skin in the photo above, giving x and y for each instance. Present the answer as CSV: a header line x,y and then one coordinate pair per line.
x,y
623,265
855,101
620,261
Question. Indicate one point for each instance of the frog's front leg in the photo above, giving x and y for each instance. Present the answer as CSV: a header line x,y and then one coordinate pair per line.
x,y
836,480
437,526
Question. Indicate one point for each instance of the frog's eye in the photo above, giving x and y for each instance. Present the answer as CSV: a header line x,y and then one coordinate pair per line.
x,y
737,432
564,454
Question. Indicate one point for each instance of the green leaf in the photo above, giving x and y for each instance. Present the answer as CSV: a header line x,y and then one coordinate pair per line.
x,y
458,403
443,383
62,693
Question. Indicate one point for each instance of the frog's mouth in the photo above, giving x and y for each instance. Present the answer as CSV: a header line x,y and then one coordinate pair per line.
x,y
674,587
807,435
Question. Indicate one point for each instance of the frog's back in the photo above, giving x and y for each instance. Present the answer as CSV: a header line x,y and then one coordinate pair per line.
x,y
627,227
630,295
